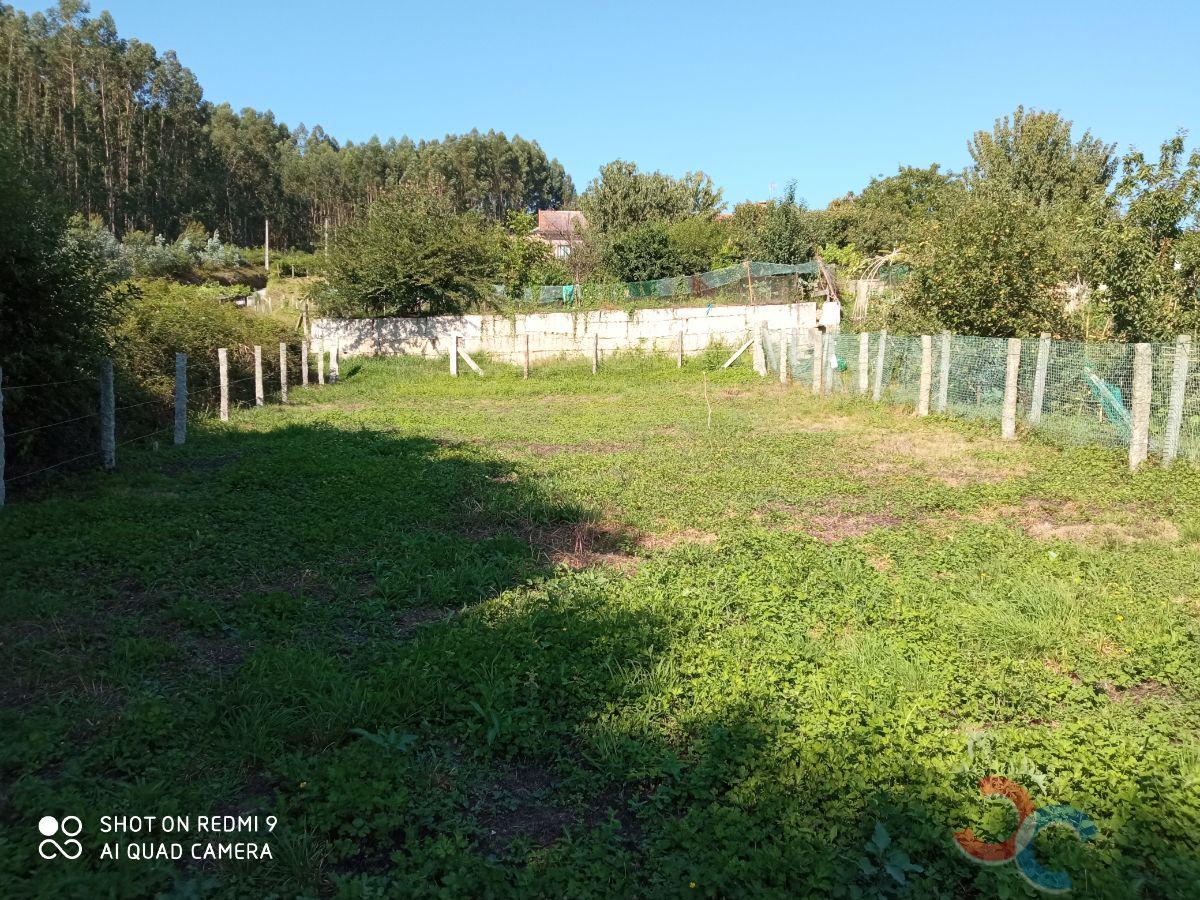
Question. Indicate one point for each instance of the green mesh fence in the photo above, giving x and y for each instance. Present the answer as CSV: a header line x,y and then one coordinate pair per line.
x,y
1086,397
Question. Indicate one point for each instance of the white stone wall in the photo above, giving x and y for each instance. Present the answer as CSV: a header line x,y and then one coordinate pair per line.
x,y
564,333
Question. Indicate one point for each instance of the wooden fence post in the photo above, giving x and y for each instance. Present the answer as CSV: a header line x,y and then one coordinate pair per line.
x,y
180,397
258,376
335,361
1,437
223,370
283,373
880,356
785,368
108,416
1183,358
595,352
679,358
926,384
1008,417
454,356
525,364
304,363
1039,379
1139,431
943,397
864,362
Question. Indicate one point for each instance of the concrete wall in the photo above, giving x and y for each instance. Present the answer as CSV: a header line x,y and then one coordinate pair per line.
x,y
563,333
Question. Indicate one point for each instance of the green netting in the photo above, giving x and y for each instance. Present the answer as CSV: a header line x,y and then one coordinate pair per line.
x,y
976,385
1189,436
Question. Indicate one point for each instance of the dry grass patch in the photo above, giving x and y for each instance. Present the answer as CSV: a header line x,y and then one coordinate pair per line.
x,y
944,455
829,520
1082,524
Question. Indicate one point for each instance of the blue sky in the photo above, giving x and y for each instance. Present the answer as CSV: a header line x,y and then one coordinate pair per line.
x,y
754,93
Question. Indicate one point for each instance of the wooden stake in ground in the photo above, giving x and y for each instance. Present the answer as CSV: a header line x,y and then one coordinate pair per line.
x,y
223,376
283,373
926,383
1139,425
1039,379
880,356
740,350
707,402
679,358
1183,357
1008,417
180,397
749,283
525,364
944,375
108,416
304,363
595,352
258,376
864,362
818,372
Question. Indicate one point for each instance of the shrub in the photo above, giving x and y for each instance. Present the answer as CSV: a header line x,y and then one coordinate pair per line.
x,y
411,254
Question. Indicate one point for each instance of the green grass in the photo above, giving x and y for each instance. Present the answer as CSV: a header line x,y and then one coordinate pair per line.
x,y
489,637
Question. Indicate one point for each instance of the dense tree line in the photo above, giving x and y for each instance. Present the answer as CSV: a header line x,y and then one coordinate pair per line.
x,y
128,136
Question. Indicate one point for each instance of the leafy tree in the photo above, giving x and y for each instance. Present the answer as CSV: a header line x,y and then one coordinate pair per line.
x,y
1148,260
891,212
643,252
622,197
782,231
1034,155
989,264
524,262
410,254
700,242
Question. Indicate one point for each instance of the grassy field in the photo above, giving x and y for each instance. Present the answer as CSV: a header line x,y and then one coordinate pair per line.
x,y
487,637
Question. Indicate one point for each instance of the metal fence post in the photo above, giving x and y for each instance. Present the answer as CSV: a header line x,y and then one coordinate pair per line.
x,y
283,373
864,362
943,397
1039,379
180,397
880,356
1008,418
926,384
1139,432
304,363
223,375
258,376
108,416
1183,358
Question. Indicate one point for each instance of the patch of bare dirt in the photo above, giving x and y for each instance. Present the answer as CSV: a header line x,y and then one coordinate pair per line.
x,y
1077,523
951,458
519,804
1135,693
675,538
830,521
577,545
412,619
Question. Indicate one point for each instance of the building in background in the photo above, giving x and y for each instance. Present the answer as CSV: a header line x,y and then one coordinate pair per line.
x,y
560,229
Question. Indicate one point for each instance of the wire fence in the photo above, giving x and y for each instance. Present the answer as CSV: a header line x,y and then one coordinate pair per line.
x,y
114,424
1081,394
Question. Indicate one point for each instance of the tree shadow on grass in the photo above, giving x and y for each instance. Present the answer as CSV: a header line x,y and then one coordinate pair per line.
x,y
367,635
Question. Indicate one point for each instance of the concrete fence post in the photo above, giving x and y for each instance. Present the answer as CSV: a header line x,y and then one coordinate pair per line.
x,y
785,369
454,356
1139,430
304,363
1,436
759,353
1183,359
864,362
223,375
943,396
880,356
1039,379
321,361
180,397
525,364
1012,369
108,416
335,353
283,385
926,384
258,376
818,372
595,352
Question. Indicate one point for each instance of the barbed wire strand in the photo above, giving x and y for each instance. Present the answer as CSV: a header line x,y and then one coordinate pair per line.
x,y
54,466
50,425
